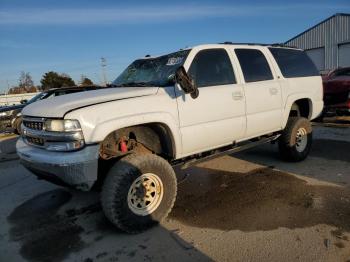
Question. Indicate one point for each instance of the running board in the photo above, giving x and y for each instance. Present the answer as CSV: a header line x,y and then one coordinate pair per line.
x,y
222,151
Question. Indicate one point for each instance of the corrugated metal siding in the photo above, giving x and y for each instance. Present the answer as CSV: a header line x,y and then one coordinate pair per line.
x,y
329,35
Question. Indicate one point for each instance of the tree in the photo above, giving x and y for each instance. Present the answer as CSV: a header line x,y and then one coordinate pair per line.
x,y
16,90
84,81
32,89
25,82
55,80
25,85
67,80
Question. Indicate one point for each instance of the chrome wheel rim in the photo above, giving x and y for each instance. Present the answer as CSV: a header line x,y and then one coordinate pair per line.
x,y
301,139
145,194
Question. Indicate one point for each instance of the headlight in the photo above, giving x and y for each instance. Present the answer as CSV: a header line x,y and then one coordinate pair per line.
x,y
65,125
56,134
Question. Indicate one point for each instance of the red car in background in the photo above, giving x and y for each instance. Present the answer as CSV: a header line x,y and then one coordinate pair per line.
x,y
336,86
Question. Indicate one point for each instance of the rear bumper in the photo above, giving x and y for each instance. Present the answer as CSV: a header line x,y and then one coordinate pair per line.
x,y
75,169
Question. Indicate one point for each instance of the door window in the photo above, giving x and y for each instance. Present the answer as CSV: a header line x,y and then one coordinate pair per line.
x,y
212,67
254,65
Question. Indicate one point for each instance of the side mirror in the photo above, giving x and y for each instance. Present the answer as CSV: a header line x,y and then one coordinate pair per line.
x,y
186,83
24,101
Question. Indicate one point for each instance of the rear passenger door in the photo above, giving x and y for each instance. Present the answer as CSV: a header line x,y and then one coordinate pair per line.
x,y
262,92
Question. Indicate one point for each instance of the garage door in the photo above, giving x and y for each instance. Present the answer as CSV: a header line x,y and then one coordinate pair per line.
x,y
317,56
344,55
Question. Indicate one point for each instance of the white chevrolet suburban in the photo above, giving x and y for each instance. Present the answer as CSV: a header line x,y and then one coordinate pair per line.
x,y
174,109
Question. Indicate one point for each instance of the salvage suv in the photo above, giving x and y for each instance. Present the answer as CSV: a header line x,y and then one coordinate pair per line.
x,y
174,109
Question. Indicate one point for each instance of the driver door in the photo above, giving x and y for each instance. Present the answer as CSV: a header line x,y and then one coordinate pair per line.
x,y
217,116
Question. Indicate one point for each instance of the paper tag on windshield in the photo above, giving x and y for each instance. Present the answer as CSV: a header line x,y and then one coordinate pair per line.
x,y
174,61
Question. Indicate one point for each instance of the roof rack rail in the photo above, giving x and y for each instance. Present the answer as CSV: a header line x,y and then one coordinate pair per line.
x,y
261,44
283,45
233,43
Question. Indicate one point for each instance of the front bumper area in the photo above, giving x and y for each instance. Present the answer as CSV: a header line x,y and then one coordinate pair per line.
x,y
76,169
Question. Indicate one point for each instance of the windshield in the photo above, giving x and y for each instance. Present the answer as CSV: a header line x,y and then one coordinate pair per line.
x,y
38,97
157,71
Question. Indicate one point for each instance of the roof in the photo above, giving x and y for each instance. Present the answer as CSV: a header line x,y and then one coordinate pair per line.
x,y
217,45
323,21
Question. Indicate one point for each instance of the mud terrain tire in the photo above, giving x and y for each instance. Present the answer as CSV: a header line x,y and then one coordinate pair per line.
x,y
132,179
296,139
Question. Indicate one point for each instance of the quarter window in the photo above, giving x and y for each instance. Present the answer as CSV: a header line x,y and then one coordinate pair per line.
x,y
293,62
254,65
212,67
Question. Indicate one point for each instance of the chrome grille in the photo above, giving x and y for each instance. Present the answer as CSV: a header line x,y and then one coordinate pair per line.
x,y
36,124
35,141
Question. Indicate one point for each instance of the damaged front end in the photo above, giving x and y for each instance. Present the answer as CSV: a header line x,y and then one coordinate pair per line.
x,y
55,150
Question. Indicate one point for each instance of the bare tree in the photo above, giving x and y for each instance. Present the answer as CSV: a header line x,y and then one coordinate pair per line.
x,y
25,81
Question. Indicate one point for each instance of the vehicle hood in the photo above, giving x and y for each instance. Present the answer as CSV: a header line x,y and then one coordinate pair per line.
x,y
59,106
10,108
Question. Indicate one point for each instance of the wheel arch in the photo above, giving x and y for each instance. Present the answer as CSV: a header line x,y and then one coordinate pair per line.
x,y
301,108
154,136
298,105
100,130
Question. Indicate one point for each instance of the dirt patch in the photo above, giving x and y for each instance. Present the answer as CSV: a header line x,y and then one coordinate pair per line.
x,y
263,199
43,234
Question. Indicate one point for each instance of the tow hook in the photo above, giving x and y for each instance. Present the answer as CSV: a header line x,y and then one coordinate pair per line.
x,y
122,146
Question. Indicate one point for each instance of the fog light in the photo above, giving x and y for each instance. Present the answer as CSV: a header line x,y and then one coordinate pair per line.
x,y
64,146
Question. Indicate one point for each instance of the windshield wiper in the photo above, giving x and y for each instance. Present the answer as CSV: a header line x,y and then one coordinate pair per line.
x,y
134,84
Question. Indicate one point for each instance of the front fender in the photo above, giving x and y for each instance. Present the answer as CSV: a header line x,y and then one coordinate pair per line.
x,y
96,132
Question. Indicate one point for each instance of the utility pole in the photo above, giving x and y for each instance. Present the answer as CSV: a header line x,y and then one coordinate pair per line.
x,y
103,65
8,86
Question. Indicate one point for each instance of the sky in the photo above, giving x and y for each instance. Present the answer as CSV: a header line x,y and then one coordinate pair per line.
x,y
71,36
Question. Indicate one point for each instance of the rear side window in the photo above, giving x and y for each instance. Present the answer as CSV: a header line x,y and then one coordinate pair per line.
x,y
212,67
254,65
294,63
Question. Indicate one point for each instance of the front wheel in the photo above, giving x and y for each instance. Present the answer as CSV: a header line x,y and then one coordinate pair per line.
x,y
138,192
296,139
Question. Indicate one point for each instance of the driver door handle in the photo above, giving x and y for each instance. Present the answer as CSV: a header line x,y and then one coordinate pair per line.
x,y
237,95
273,91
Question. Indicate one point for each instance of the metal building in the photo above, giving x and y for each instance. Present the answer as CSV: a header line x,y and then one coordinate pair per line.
x,y
327,43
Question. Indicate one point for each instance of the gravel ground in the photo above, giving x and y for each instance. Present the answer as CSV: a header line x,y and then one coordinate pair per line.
x,y
249,206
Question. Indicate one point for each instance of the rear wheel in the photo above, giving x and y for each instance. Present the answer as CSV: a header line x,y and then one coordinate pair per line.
x,y
138,192
296,139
